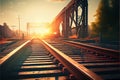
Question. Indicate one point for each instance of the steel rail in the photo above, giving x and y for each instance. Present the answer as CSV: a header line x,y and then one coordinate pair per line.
x,y
5,58
104,51
78,70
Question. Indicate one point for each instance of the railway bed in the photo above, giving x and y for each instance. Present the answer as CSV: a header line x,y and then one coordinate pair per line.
x,y
104,62
56,60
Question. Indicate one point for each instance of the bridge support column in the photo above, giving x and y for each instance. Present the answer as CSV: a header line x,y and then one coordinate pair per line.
x,y
66,27
82,23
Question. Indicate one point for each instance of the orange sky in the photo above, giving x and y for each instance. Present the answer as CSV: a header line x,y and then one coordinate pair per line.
x,y
36,11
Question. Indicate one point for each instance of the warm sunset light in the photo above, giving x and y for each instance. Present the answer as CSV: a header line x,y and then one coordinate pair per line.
x,y
36,11
59,40
29,11
42,31
38,29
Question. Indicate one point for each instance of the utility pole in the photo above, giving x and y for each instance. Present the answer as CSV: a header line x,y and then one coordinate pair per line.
x,y
28,29
19,25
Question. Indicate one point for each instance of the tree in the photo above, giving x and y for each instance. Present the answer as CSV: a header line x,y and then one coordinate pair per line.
x,y
107,20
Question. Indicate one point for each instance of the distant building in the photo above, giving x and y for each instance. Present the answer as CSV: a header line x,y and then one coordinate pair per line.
x,y
5,31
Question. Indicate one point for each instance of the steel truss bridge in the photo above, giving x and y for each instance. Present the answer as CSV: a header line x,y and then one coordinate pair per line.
x,y
76,12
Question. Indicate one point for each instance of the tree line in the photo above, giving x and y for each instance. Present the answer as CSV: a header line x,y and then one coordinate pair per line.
x,y
106,25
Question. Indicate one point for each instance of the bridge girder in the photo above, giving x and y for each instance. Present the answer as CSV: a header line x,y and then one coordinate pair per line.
x,y
70,15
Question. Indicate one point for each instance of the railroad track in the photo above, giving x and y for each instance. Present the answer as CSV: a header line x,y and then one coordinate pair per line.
x,y
32,62
38,60
5,45
8,47
104,62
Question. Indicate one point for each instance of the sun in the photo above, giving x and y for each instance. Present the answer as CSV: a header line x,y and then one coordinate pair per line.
x,y
39,29
42,31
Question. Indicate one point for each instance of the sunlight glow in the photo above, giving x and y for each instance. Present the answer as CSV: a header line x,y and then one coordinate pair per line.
x,y
41,32
39,29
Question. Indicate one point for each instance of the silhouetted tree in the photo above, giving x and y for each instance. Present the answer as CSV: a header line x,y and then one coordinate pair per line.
x,y
107,20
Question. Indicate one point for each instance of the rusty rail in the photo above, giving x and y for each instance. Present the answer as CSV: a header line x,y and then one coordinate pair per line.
x,y
103,51
78,70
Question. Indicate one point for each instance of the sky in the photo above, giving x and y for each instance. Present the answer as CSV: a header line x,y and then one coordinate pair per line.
x,y
36,11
